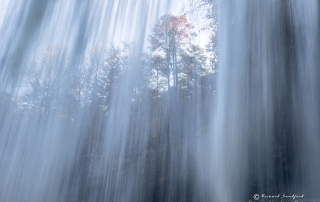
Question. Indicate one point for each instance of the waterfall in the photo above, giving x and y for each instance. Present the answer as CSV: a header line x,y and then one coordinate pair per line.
x,y
78,119
266,131
91,109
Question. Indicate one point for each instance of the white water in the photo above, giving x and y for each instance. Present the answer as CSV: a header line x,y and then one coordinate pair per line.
x,y
266,131
57,145
58,142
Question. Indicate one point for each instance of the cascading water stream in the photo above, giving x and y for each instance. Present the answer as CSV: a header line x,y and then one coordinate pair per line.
x,y
78,119
85,116
266,131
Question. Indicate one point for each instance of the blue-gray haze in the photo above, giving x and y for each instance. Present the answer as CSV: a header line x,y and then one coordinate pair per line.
x,y
89,113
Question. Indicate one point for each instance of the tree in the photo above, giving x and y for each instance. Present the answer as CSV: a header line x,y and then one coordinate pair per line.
x,y
101,74
193,65
45,82
170,37
206,9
